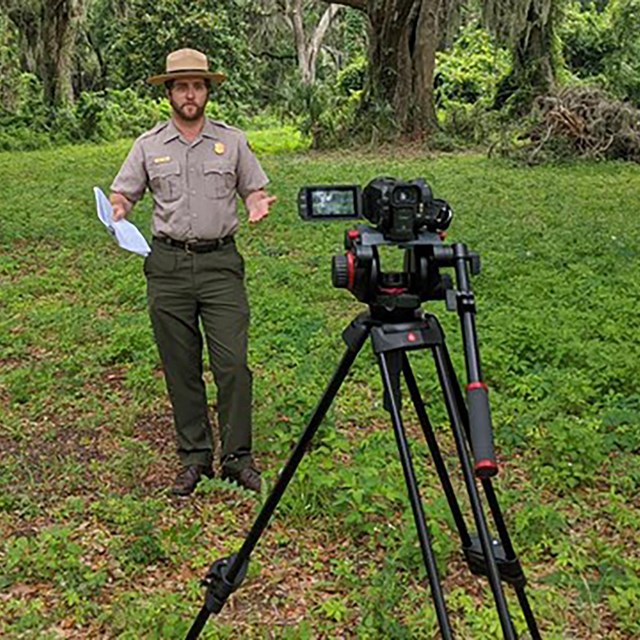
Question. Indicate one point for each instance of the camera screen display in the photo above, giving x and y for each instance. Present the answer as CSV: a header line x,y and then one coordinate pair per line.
x,y
330,202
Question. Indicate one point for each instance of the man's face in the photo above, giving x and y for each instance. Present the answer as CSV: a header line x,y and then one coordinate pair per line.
x,y
188,97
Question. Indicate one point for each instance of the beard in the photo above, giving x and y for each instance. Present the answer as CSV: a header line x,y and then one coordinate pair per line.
x,y
188,111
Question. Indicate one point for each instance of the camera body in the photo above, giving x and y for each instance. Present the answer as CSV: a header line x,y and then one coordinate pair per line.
x,y
400,211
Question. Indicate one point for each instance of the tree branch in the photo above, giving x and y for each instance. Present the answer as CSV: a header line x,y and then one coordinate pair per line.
x,y
273,56
321,29
360,5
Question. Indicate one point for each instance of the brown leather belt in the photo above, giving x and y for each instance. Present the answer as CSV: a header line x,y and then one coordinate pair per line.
x,y
195,246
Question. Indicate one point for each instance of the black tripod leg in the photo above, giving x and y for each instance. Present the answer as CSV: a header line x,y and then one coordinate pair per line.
x,y
458,427
517,578
226,575
515,575
432,443
416,503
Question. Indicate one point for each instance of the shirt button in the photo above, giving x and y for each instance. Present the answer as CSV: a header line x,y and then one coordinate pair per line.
x,y
193,192
192,169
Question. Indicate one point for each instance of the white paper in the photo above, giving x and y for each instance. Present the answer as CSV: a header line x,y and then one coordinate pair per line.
x,y
126,234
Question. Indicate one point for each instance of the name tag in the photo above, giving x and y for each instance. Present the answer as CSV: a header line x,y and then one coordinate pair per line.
x,y
162,160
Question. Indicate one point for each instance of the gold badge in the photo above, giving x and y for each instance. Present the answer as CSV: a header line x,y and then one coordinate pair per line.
x,y
161,159
218,147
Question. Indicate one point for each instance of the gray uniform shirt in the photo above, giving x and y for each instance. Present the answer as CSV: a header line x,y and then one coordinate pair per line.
x,y
194,184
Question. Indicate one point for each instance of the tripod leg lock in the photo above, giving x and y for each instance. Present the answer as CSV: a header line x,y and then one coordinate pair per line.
x,y
218,587
509,569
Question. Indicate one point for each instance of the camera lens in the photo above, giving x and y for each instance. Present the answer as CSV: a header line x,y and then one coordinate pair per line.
x,y
442,218
405,195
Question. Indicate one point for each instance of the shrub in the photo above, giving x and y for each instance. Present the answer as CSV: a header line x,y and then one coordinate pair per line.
x,y
25,126
466,80
603,46
108,115
470,71
97,116
587,39
351,79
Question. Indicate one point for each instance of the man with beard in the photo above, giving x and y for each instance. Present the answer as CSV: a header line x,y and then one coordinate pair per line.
x,y
195,168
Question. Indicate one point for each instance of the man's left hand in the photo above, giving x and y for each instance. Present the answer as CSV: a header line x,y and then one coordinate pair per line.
x,y
258,204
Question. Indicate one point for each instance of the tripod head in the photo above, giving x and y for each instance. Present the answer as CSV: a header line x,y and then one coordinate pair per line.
x,y
399,210
398,292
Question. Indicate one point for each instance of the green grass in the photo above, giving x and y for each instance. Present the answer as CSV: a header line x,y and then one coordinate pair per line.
x,y
93,546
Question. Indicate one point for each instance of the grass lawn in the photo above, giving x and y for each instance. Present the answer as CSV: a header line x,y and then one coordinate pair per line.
x,y
92,546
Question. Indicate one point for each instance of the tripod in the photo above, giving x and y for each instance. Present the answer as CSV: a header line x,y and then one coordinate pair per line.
x,y
393,334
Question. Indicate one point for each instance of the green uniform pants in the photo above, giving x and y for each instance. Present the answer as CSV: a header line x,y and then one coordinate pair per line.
x,y
184,289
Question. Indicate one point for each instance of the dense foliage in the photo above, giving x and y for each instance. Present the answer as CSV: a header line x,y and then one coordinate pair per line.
x,y
136,42
468,77
118,43
601,45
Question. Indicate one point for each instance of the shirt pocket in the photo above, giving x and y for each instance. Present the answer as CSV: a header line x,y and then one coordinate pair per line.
x,y
219,180
165,181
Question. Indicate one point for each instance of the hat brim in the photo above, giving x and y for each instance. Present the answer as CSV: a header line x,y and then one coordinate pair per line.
x,y
217,77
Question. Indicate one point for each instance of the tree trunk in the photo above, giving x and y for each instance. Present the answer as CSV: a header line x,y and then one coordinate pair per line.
x,y
307,48
60,18
49,28
527,26
403,40
532,55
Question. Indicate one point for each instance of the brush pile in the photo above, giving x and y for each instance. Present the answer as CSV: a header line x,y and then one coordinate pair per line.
x,y
582,122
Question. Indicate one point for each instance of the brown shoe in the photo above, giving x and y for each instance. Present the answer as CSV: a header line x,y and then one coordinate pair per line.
x,y
187,480
249,478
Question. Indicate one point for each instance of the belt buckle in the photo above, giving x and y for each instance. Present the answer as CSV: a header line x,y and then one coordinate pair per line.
x,y
187,246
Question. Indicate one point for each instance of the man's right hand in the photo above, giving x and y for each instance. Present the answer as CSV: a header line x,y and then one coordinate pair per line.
x,y
120,205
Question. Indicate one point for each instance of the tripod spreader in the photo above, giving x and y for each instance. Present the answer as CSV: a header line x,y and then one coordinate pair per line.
x,y
219,588
509,569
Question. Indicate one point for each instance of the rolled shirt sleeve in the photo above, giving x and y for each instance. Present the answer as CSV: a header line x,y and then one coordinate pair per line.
x,y
251,176
132,178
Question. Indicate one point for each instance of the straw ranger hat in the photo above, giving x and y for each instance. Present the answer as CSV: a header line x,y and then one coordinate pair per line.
x,y
187,63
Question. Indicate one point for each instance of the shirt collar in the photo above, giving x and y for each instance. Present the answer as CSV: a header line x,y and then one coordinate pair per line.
x,y
171,132
208,130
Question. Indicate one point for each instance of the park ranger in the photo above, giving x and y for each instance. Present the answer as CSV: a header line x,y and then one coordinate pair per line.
x,y
195,168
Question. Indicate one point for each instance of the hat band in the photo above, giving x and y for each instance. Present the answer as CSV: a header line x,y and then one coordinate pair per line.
x,y
189,71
